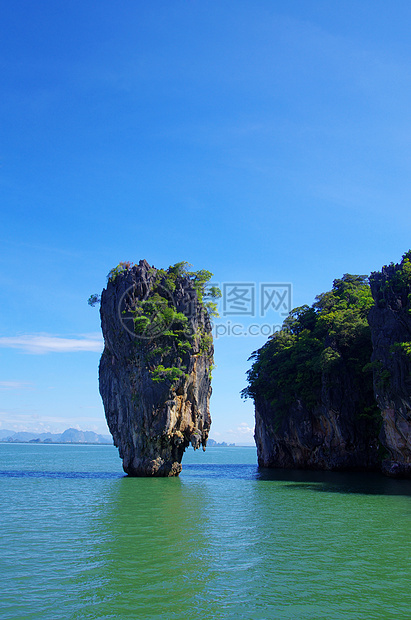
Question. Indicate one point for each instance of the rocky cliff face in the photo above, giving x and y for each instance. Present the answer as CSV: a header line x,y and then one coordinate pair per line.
x,y
155,371
334,434
390,321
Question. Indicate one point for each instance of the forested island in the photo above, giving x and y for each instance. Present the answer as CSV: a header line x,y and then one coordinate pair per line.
x,y
332,388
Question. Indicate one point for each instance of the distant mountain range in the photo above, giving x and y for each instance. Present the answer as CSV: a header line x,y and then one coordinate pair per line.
x,y
71,435
214,444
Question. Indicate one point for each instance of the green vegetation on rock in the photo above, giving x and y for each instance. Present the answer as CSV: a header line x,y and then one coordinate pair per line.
x,y
119,269
165,334
314,344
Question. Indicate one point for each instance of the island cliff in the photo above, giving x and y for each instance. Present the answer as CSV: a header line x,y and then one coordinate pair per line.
x,y
155,370
314,405
390,321
332,388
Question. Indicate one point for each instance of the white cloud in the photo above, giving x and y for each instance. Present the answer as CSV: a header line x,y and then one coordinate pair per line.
x,y
243,430
45,343
15,385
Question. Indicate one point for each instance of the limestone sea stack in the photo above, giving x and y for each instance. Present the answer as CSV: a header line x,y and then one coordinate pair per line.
x,y
155,370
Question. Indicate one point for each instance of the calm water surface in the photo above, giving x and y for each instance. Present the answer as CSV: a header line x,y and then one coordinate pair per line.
x,y
223,541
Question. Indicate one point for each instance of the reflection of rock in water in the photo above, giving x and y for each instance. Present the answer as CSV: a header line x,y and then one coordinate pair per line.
x,y
155,371
154,552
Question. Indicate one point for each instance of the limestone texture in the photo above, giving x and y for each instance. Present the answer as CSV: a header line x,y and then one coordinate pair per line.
x,y
155,370
331,435
390,322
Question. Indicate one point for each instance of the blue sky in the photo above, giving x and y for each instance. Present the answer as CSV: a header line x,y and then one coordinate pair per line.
x,y
267,141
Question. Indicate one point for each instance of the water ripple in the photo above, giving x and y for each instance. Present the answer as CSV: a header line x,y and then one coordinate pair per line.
x,y
60,474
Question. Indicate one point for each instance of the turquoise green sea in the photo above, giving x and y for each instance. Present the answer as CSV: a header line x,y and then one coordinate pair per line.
x,y
80,540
